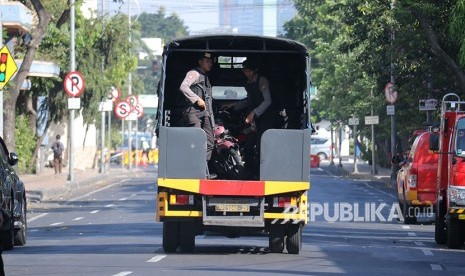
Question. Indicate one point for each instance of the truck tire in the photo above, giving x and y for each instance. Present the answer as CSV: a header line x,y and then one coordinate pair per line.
x,y
440,234
408,212
294,239
276,238
20,234
454,235
171,235
187,238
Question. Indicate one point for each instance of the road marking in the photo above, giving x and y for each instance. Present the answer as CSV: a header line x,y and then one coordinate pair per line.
x,y
123,273
56,223
156,258
95,211
405,227
133,195
123,199
419,243
379,191
96,191
411,234
201,236
78,218
37,217
427,252
436,267
109,205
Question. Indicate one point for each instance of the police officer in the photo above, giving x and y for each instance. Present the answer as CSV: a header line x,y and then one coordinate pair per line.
x,y
197,92
261,111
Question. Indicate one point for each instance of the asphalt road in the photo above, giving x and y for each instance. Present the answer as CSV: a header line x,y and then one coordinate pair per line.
x,y
112,231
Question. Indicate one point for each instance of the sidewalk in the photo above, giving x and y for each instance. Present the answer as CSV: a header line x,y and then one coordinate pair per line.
x,y
364,170
48,185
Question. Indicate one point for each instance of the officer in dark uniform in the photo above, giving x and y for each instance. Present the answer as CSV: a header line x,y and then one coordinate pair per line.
x,y
260,111
197,92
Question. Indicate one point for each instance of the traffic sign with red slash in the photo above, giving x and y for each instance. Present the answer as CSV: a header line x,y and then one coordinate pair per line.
x,y
122,110
74,84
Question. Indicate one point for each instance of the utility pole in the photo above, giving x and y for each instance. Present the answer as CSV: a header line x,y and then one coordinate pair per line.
x,y
71,111
130,90
393,119
373,144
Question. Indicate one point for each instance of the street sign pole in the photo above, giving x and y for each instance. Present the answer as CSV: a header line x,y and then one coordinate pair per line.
x,y
71,111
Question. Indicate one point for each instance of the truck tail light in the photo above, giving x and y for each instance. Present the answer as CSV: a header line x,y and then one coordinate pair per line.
x,y
284,201
181,199
412,178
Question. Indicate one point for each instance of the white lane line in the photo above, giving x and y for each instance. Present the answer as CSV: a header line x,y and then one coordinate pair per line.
x,y
427,252
133,195
123,273
78,218
411,234
420,243
379,191
436,267
96,191
56,223
109,205
36,217
405,227
156,258
95,211
123,199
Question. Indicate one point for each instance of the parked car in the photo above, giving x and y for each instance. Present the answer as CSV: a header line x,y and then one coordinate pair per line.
x,y
416,179
13,200
320,147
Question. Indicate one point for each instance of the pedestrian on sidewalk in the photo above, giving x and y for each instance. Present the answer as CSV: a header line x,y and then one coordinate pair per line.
x,y
58,149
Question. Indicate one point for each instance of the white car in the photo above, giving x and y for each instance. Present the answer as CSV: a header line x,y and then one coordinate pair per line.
x,y
321,147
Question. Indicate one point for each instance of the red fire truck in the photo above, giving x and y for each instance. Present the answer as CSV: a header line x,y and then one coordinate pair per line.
x,y
188,202
449,143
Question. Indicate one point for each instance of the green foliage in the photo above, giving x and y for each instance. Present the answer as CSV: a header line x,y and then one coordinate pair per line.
x,y
160,25
352,53
24,144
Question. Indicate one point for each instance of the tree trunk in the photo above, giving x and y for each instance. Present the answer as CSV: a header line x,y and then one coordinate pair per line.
x,y
9,104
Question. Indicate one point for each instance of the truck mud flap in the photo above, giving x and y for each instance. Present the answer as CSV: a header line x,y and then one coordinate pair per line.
x,y
187,153
290,161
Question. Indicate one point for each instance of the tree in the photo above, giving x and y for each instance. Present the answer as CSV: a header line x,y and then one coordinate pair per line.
x,y
354,43
160,25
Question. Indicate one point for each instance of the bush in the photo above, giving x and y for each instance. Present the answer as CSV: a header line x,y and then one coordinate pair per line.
x,y
25,146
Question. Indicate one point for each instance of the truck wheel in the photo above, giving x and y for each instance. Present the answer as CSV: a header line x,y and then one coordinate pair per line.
x,y
20,234
170,236
294,239
187,238
408,213
276,238
440,235
454,238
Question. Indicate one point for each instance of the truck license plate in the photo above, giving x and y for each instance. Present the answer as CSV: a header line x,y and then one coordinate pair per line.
x,y
232,208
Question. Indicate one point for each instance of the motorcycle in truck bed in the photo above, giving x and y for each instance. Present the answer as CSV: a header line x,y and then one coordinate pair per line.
x,y
275,203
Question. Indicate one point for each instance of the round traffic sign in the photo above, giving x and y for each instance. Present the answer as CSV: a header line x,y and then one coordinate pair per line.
x,y
74,84
139,110
389,93
132,100
122,110
114,94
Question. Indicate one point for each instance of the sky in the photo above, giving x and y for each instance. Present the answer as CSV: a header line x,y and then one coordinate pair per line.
x,y
198,15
